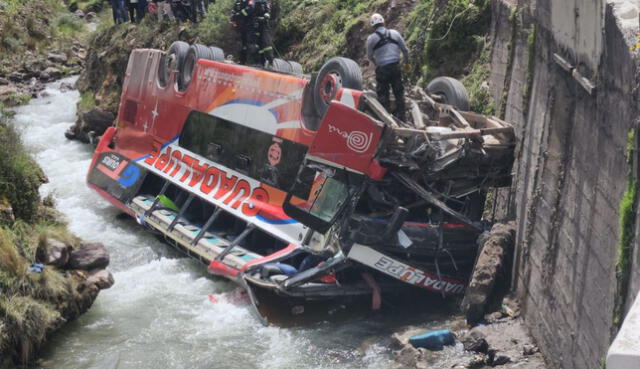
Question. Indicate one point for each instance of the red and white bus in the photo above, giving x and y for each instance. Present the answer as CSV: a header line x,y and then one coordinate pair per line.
x,y
301,186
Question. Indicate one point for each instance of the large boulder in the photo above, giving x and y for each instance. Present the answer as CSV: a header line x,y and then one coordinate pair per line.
x,y
89,256
50,74
101,278
52,252
97,120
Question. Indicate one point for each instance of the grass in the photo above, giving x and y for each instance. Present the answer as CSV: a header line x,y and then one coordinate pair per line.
x,y
531,67
479,94
626,224
68,25
4,111
15,99
444,40
87,101
12,262
20,176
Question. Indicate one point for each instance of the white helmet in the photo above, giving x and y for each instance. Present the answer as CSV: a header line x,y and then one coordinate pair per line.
x,y
376,19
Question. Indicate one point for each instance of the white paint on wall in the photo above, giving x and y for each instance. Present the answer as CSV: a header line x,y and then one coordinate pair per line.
x,y
627,12
624,353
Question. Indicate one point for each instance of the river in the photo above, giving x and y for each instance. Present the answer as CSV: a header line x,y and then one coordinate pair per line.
x,y
159,313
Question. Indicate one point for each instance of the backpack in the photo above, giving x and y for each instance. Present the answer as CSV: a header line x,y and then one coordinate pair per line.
x,y
384,39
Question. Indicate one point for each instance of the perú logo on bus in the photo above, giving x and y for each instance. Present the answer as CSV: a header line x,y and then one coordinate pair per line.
x,y
357,141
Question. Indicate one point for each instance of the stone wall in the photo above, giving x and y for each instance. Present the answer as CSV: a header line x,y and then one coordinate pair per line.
x,y
572,168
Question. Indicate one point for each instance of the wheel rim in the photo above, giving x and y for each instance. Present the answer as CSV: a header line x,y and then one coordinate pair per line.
x,y
329,86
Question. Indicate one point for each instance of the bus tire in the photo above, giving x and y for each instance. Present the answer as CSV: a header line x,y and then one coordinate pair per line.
x,y
296,68
280,65
452,90
172,60
217,54
336,73
195,52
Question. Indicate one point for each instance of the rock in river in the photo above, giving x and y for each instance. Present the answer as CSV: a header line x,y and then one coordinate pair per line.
x,y
52,252
102,278
89,256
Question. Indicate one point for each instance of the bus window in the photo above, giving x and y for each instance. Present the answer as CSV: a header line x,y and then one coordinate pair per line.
x,y
319,194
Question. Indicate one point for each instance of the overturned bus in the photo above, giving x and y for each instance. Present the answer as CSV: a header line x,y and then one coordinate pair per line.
x,y
302,187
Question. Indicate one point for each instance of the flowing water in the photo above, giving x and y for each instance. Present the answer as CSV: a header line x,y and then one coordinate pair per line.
x,y
159,313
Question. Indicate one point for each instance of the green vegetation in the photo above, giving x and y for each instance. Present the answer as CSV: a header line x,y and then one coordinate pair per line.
x,y
6,112
445,39
531,67
479,95
87,101
68,25
626,221
450,39
31,304
35,27
15,99
20,176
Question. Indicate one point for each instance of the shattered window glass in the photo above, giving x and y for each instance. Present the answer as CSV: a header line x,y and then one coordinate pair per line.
x,y
320,191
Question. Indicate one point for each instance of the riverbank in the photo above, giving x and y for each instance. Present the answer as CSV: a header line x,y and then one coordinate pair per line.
x,y
48,276
40,41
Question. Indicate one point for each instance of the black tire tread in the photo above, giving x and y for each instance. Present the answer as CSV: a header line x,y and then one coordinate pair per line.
x,y
454,92
180,49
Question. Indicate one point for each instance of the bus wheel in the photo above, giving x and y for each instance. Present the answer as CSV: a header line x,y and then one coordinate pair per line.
x,y
195,52
452,90
217,54
296,68
280,65
172,60
336,73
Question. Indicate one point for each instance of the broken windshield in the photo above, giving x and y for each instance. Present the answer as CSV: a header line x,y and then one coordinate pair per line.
x,y
319,194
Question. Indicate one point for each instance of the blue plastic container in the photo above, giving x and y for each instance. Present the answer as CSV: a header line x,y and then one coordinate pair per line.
x,y
433,340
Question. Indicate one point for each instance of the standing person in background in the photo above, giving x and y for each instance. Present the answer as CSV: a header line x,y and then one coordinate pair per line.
x,y
119,12
198,9
262,16
384,47
131,8
241,20
164,8
141,10
137,9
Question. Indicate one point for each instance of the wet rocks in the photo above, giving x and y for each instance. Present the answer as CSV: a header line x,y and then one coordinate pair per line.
x,y
89,256
57,58
101,278
97,120
475,341
90,125
7,92
50,73
52,252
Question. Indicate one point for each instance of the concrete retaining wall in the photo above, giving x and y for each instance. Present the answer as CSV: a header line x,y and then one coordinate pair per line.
x,y
572,169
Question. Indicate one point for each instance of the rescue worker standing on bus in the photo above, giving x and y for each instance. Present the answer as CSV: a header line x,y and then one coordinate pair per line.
x,y
241,19
383,49
262,16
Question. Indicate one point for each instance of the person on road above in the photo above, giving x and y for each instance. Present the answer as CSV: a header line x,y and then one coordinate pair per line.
x,y
241,15
383,49
262,30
